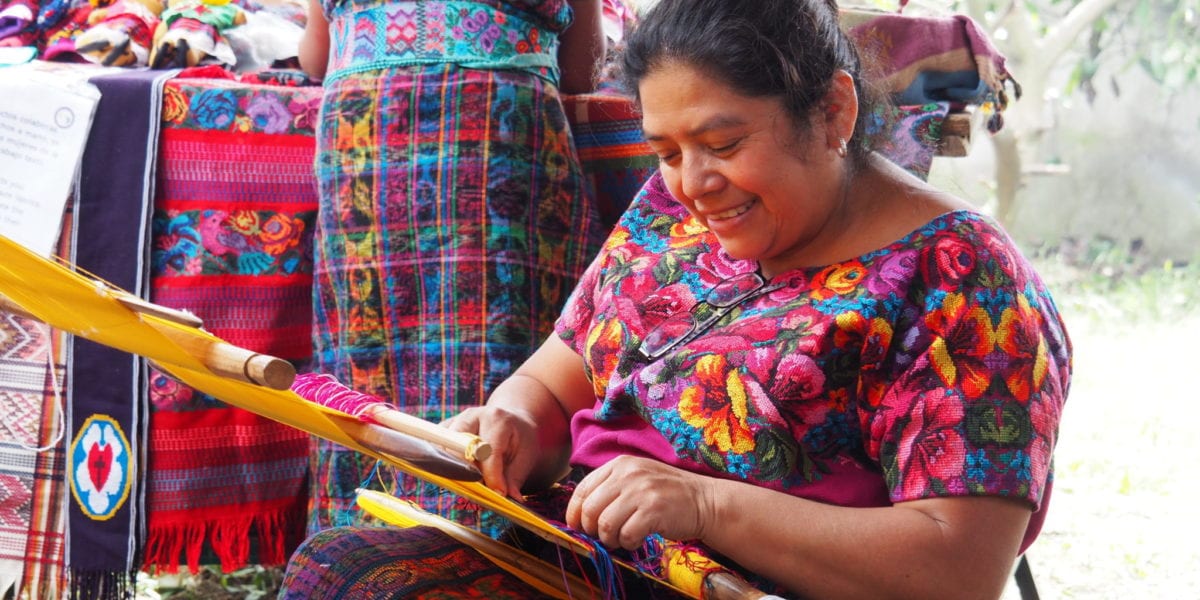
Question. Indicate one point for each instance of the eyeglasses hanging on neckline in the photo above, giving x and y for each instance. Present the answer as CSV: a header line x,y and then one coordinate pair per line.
x,y
685,326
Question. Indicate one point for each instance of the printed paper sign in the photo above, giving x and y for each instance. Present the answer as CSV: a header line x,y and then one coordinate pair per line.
x,y
45,115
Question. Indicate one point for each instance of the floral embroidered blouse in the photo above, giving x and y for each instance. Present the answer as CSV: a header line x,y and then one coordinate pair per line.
x,y
935,366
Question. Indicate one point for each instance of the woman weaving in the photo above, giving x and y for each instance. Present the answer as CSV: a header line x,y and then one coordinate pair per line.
x,y
839,379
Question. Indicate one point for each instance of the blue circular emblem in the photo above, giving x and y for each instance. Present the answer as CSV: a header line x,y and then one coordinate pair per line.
x,y
100,467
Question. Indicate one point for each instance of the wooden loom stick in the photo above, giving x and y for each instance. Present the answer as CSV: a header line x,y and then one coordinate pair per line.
x,y
138,305
417,452
232,361
724,585
220,357
325,390
547,578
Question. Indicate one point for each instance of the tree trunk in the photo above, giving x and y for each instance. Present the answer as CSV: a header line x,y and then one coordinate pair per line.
x,y
1008,175
1031,58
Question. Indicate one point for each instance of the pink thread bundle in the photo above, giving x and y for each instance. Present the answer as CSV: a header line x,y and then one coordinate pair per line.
x,y
327,391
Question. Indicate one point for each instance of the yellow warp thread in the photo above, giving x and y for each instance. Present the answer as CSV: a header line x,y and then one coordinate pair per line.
x,y
78,305
400,513
685,568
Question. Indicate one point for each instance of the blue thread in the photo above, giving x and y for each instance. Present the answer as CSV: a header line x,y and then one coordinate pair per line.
x,y
608,580
367,480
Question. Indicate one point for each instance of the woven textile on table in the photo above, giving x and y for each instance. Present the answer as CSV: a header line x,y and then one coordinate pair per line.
x,y
232,229
913,135
32,370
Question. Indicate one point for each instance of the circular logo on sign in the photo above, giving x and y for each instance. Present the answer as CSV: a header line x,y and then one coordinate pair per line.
x,y
64,117
99,467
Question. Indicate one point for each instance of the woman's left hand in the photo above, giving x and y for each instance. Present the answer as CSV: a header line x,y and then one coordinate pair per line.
x,y
630,498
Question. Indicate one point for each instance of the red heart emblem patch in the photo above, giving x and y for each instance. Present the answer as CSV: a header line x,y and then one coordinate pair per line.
x,y
99,464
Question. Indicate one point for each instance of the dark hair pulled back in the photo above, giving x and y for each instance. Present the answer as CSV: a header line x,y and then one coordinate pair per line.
x,y
788,49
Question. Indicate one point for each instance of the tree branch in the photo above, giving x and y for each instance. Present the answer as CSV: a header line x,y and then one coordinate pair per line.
x,y
1062,36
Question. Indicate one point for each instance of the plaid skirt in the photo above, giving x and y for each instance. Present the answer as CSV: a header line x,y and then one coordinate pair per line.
x,y
453,224
376,562
422,562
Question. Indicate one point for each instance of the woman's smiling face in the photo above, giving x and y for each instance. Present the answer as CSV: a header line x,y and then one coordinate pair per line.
x,y
741,166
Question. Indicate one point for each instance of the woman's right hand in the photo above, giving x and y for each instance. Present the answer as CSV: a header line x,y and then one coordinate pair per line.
x,y
527,420
512,435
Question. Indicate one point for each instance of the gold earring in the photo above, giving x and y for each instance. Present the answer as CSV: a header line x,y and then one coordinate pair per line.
x,y
842,150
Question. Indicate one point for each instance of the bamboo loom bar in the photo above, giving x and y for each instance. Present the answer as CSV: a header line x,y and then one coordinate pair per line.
x,y
219,357
720,585
419,452
232,361
327,391
469,446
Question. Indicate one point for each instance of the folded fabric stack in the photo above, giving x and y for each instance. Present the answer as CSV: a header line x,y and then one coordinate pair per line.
x,y
240,34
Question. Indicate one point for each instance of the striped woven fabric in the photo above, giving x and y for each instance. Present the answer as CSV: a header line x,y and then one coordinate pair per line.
x,y
31,459
232,225
615,157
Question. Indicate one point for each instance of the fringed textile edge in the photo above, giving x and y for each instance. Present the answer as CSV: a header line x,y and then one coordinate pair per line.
x,y
228,538
101,585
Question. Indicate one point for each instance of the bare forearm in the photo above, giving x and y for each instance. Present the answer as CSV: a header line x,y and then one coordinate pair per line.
x,y
530,398
825,551
583,47
314,44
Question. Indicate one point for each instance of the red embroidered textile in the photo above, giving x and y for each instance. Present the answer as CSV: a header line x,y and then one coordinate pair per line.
x,y
232,222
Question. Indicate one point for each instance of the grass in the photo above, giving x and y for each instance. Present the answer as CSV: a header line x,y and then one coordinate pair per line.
x,y
249,583
1104,284
1120,523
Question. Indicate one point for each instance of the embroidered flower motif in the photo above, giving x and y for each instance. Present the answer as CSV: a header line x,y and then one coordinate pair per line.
x,y
268,114
1019,336
931,448
964,340
949,262
168,394
683,231
837,280
797,377
280,233
305,114
176,243
717,405
892,272
175,107
214,109
242,123
602,339
244,222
